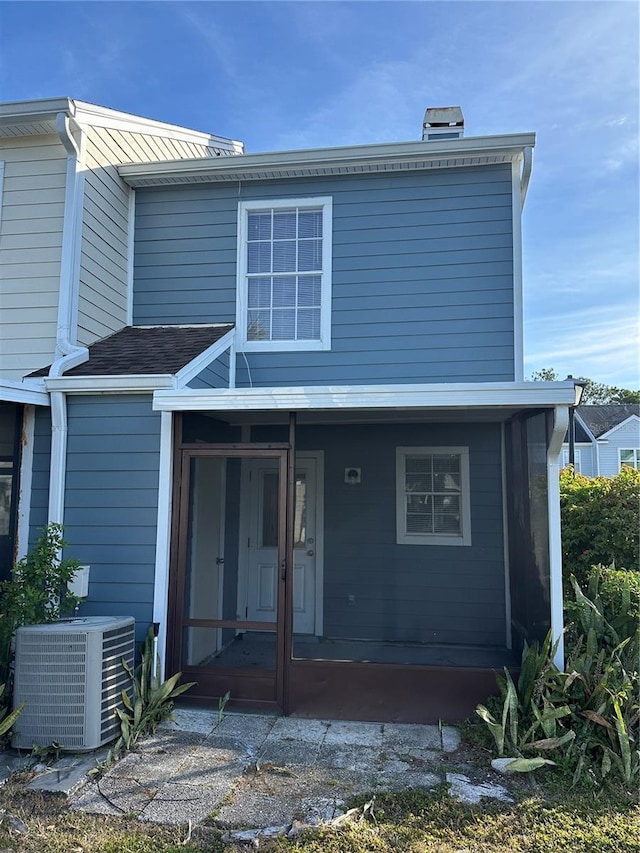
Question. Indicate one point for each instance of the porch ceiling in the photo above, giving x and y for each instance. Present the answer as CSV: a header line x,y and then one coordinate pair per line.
x,y
365,416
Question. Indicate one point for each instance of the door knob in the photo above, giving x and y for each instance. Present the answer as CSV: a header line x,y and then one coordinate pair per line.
x,y
310,553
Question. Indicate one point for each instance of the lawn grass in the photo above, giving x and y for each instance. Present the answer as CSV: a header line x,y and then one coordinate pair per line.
x,y
414,821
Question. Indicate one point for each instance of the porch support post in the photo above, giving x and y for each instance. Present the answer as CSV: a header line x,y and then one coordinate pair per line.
x,y
288,593
163,535
558,432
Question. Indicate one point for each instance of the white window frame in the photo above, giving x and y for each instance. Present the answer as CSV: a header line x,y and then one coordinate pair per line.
x,y
246,207
576,455
636,457
404,538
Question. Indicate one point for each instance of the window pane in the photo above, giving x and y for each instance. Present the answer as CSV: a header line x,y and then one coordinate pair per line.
x,y
258,325
309,223
259,226
284,225
259,293
446,514
259,257
309,290
284,292
419,483
309,255
418,463
284,256
446,482
308,324
284,325
419,514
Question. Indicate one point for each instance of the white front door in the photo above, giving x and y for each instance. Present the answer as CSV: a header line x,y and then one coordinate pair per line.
x,y
262,563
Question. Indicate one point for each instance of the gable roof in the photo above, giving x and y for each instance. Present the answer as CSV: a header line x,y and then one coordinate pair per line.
x,y
602,419
146,350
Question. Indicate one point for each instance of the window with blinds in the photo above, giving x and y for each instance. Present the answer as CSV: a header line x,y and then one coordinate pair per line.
x,y
433,495
284,274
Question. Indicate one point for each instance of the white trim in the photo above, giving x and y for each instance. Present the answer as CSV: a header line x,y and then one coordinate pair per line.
x,y
405,538
244,208
525,175
605,435
19,392
163,534
1,187
58,466
107,384
636,460
131,230
491,395
395,156
26,479
518,311
560,426
505,539
204,359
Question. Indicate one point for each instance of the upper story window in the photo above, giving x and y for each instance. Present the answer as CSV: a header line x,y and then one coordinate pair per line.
x,y
630,457
284,274
433,496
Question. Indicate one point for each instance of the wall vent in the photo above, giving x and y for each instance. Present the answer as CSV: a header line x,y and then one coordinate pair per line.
x,y
442,123
70,676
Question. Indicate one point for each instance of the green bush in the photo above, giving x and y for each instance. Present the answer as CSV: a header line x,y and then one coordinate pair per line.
x,y
600,522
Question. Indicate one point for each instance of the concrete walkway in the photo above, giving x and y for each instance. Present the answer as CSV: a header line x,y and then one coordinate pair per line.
x,y
257,771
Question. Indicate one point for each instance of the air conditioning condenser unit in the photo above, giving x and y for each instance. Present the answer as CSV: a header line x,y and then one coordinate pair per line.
x,y
70,676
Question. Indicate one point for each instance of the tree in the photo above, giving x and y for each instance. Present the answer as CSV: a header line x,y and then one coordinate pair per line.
x,y
595,393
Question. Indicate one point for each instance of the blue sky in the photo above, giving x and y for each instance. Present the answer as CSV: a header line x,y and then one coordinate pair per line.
x,y
282,75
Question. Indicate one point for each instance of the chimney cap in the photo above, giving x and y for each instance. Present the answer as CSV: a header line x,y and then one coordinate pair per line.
x,y
443,117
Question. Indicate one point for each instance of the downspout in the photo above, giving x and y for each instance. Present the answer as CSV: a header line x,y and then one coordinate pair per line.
x,y
558,432
68,353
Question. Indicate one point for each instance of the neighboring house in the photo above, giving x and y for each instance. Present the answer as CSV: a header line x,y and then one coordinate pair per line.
x,y
606,438
310,455
66,239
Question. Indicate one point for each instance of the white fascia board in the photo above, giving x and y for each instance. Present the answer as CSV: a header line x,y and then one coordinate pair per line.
x,y
350,397
198,364
108,384
345,159
97,116
20,392
44,109
605,435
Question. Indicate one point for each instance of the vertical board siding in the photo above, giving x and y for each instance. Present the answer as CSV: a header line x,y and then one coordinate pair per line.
x,y
30,251
111,501
40,473
431,593
422,273
102,304
216,375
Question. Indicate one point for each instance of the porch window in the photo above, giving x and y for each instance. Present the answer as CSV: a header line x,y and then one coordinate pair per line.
x,y
432,496
284,274
631,457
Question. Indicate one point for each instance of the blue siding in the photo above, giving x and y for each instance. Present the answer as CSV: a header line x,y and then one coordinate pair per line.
x,y
40,474
111,501
422,273
216,375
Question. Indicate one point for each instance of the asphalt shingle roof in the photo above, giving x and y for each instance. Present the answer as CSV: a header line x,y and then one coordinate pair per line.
x,y
146,350
601,419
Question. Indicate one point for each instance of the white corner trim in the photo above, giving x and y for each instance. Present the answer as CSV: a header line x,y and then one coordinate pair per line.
x,y
494,395
131,230
518,309
198,364
560,426
163,534
20,392
26,479
1,186
109,384
58,467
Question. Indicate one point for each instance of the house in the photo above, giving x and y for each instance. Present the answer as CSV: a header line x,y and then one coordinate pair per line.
x,y
66,221
308,454
606,438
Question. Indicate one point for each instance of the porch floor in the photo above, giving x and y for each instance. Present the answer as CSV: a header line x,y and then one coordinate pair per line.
x,y
257,650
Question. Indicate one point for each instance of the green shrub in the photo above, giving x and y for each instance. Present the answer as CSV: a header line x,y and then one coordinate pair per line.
x,y
600,522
